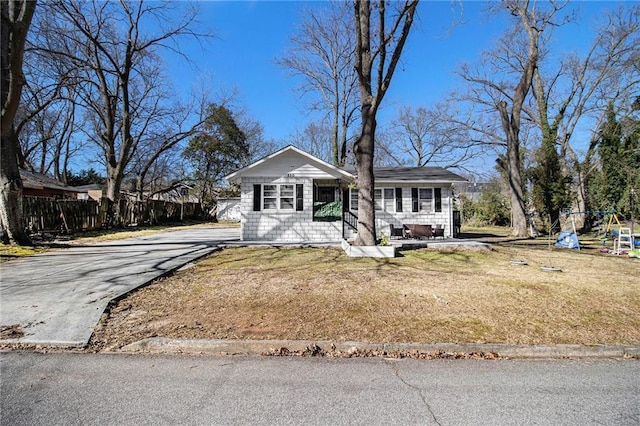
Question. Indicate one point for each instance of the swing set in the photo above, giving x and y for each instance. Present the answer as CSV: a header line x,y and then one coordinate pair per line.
x,y
569,237
620,235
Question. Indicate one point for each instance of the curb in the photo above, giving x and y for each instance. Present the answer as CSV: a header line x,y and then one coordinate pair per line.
x,y
389,350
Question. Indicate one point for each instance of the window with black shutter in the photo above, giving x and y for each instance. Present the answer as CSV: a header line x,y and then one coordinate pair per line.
x,y
257,197
398,200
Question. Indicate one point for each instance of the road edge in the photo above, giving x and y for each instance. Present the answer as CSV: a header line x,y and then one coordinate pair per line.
x,y
362,349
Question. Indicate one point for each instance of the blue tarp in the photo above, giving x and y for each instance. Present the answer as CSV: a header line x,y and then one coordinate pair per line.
x,y
568,240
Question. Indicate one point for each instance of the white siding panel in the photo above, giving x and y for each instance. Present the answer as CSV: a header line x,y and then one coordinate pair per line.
x,y
445,217
289,226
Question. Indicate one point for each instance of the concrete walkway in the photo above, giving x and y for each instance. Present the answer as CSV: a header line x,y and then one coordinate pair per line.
x,y
57,298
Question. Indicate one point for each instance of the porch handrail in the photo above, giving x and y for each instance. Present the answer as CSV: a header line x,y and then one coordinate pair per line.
x,y
350,219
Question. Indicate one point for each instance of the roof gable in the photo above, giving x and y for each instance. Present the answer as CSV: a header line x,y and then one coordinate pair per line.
x,y
290,161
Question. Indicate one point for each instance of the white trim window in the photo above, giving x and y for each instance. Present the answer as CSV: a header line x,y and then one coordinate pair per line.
x,y
425,199
278,197
389,199
353,199
385,199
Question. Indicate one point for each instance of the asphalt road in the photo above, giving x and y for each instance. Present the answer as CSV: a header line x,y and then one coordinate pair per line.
x,y
58,297
87,389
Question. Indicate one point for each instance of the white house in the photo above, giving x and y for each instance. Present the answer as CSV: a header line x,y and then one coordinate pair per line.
x,y
293,196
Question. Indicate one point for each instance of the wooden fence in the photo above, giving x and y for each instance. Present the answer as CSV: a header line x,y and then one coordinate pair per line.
x,y
50,215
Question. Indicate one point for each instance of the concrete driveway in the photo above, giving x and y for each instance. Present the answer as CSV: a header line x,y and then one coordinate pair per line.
x,y
58,297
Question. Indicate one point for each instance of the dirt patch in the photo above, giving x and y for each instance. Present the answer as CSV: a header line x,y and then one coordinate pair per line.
x,y
314,350
13,331
424,296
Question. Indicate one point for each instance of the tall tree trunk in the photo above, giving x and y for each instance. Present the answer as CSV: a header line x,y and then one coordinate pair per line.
x,y
366,56
518,205
363,150
335,134
114,184
513,168
343,143
11,216
511,119
16,17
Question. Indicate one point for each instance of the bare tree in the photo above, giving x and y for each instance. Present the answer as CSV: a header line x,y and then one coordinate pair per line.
x,y
15,18
314,139
422,136
45,129
48,117
583,87
169,126
379,44
501,86
116,55
322,53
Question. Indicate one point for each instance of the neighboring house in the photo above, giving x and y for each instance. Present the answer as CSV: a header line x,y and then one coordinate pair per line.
x,y
40,185
177,194
92,191
471,190
293,196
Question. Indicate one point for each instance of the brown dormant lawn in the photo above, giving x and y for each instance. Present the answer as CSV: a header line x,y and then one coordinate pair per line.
x,y
424,296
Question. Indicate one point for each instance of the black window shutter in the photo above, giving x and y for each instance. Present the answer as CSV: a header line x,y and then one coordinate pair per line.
x,y
257,197
398,200
299,197
438,197
414,199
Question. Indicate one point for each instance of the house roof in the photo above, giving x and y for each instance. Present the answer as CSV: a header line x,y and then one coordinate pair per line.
x,y
292,150
89,187
381,174
416,174
35,180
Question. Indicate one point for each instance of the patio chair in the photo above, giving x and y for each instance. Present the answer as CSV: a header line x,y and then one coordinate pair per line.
x,y
438,231
395,232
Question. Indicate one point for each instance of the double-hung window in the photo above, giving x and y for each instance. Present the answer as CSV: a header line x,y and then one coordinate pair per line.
x,y
278,197
389,199
426,199
270,197
353,199
286,197
385,199
377,199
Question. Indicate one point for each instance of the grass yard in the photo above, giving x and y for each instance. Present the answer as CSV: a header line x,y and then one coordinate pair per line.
x,y
424,296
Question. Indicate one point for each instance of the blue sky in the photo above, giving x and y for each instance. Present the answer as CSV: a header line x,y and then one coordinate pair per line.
x,y
252,34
